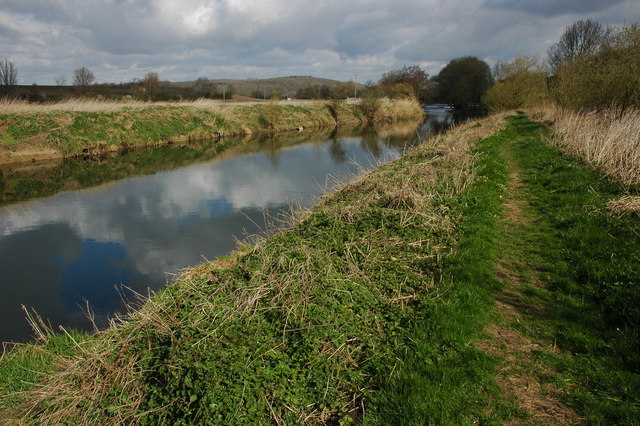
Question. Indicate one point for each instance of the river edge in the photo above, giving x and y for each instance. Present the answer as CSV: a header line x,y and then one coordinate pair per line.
x,y
30,180
281,274
33,134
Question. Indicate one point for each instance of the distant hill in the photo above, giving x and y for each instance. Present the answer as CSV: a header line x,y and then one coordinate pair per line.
x,y
284,86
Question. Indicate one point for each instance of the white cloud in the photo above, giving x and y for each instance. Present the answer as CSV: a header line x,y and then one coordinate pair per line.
x,y
166,208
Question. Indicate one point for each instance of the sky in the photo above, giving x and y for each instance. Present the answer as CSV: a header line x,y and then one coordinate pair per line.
x,y
182,40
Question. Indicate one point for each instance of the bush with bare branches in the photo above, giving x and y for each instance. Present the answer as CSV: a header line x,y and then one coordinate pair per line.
x,y
8,76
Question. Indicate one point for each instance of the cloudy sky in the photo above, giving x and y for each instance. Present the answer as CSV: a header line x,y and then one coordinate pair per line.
x,y
120,40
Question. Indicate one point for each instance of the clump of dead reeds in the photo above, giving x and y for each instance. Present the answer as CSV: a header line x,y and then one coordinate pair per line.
x,y
625,205
608,140
389,110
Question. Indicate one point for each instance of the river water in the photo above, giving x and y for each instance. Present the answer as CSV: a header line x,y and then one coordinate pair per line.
x,y
132,222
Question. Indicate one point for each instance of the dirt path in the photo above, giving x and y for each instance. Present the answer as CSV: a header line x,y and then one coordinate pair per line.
x,y
521,375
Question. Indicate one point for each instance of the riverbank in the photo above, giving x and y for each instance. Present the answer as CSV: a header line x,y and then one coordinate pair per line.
x,y
43,132
27,180
479,278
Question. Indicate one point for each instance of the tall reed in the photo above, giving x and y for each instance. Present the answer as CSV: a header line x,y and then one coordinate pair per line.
x,y
608,140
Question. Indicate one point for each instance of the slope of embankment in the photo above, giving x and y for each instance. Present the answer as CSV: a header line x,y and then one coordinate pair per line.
x,y
299,327
35,132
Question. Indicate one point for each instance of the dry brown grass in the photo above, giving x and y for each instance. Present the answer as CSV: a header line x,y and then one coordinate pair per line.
x,y
16,106
416,192
607,140
625,205
397,109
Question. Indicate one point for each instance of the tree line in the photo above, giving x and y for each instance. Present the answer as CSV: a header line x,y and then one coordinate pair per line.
x,y
150,87
82,77
591,67
461,83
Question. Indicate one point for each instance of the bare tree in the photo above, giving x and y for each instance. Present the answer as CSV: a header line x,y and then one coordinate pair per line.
x,y
415,77
8,76
61,80
151,83
580,38
83,77
504,70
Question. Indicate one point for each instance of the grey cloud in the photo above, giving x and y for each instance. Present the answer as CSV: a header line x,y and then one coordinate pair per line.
x,y
336,38
550,8
49,11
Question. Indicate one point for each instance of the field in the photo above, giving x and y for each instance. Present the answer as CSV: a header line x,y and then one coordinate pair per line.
x,y
212,88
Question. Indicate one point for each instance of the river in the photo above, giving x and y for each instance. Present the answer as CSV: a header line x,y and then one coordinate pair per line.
x,y
100,231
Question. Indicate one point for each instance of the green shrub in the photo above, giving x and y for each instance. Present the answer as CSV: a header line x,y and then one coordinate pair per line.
x,y
370,106
522,83
610,77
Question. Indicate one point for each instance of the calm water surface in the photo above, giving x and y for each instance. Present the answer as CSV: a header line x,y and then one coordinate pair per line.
x,y
82,246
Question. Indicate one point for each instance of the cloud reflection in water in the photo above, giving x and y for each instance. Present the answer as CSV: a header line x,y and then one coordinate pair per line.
x,y
77,245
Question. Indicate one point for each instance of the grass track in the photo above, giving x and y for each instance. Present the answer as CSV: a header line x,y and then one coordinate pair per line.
x,y
587,260
538,321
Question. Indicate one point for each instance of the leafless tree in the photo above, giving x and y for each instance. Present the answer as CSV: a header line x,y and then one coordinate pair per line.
x,y
151,83
580,38
503,70
83,77
414,76
61,80
8,76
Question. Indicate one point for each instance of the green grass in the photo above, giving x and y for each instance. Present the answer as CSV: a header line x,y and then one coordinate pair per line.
x,y
444,377
588,259
21,368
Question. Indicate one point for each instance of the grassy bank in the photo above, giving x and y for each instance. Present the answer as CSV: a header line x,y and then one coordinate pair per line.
x,y
443,376
24,181
480,278
89,127
300,327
